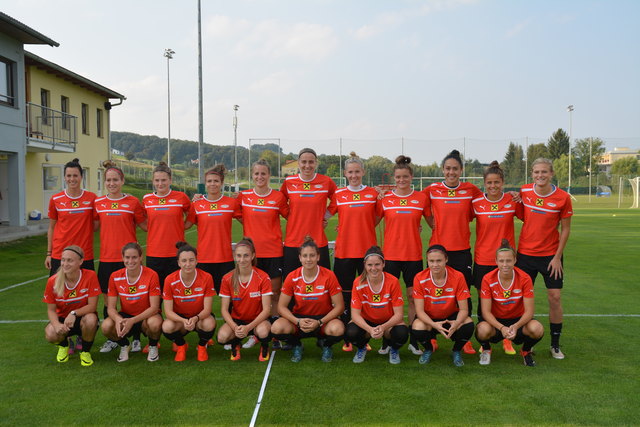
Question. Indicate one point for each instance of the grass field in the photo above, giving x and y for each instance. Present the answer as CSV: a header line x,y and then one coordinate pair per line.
x,y
597,384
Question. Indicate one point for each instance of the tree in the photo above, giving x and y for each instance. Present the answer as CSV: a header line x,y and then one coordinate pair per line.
x,y
129,155
536,151
625,166
558,144
513,164
271,158
561,170
581,152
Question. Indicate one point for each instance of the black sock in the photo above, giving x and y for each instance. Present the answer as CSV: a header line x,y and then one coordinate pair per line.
x,y
423,337
204,336
86,345
528,343
123,342
385,343
330,340
486,345
462,336
176,337
399,335
153,342
556,330
64,342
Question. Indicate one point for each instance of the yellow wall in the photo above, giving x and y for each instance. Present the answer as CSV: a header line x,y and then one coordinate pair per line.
x,y
91,150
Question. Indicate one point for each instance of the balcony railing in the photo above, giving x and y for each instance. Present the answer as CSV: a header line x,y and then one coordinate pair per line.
x,y
50,129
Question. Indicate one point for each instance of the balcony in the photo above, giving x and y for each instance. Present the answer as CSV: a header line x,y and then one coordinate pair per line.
x,y
50,130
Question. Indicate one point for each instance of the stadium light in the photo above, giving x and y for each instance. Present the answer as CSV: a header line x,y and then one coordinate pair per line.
x,y
168,53
235,144
570,110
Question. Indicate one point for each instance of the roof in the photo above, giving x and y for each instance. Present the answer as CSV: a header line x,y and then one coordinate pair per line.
x,y
48,66
19,31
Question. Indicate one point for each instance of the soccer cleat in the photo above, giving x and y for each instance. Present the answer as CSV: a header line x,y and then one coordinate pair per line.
x,y
124,354
527,358
425,357
507,345
202,353
327,354
434,344
71,346
394,356
556,353
181,352
384,349
485,357
347,347
263,356
174,347
235,353
145,350
456,356
227,347
153,354
210,343
276,344
250,342
108,346
85,358
361,353
136,346
297,353
368,347
468,348
63,354
79,343
415,350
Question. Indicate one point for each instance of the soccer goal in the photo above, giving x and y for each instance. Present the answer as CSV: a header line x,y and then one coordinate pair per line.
x,y
635,188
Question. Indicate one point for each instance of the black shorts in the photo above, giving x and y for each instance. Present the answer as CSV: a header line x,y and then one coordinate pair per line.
x,y
508,322
271,266
318,332
292,259
87,264
409,269
164,266
532,265
242,322
105,269
462,261
479,271
136,329
217,270
447,324
346,270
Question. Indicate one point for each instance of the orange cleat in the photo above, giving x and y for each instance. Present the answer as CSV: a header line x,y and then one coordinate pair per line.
x,y
468,348
265,357
507,346
434,344
235,353
174,347
202,353
181,352
210,343
347,347
146,348
368,347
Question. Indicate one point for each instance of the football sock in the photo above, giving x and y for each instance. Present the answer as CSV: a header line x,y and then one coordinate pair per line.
x,y
399,335
556,330
86,345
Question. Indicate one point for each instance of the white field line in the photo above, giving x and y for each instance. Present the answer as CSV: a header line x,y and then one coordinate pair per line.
x,y
261,394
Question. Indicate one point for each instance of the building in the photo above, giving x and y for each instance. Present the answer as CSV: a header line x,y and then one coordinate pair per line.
x,y
608,158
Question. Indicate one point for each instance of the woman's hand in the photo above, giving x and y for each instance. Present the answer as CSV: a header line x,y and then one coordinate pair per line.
x,y
123,327
47,262
308,325
241,331
376,332
555,268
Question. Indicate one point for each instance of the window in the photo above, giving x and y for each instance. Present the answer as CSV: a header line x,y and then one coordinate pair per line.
x,y
64,107
99,122
44,102
6,82
85,119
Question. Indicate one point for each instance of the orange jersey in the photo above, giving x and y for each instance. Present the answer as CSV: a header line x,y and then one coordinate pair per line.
x,y
507,302
246,304
213,218
452,212
402,214
377,307
440,302
118,219
188,301
307,207
74,224
311,298
357,212
494,222
261,221
541,216
165,222
134,296
72,298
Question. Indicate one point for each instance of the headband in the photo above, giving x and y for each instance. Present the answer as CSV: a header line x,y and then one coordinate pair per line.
x,y
69,248
437,248
508,248
372,254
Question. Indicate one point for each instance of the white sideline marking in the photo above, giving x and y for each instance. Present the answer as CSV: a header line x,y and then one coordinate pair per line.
x,y
24,283
23,321
264,385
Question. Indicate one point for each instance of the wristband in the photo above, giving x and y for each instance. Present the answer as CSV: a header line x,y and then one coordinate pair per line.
x,y
320,323
298,323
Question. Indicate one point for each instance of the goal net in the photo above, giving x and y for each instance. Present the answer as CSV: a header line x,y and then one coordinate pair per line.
x,y
635,187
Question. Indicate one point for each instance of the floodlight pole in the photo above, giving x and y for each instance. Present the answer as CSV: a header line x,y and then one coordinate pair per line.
x,y
570,110
235,144
200,114
168,53
590,156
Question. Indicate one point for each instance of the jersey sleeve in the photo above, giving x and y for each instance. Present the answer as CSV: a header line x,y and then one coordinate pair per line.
x,y
49,296
520,210
237,207
186,203
283,189
396,294
167,292
93,284
333,207
53,212
418,290
332,188
284,207
527,286
356,298
113,290
334,285
462,292
139,214
567,209
209,290
154,284
287,287
191,216
485,289
265,285
427,202
225,287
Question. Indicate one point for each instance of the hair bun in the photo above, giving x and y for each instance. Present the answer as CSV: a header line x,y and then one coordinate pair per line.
x,y
403,160
353,154
180,244
76,160
108,164
494,164
163,164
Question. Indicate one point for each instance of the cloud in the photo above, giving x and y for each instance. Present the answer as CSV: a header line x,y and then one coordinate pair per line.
x,y
516,29
272,84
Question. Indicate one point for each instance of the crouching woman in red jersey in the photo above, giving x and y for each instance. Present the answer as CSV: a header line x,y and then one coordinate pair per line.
x,y
507,307
318,302
441,295
188,296
245,302
377,308
138,290
72,297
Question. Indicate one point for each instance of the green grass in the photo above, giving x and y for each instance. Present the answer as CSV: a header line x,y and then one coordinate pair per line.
x,y
596,384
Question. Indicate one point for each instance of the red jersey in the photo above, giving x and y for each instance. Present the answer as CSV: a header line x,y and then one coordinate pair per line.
x,y
440,302
246,304
74,226
402,214
452,213
261,221
357,212
311,298
494,222
507,298
307,206
542,214
165,222
213,218
74,297
188,301
377,307
134,296
118,219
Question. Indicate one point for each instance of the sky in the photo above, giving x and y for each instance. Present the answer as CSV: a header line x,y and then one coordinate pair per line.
x,y
415,76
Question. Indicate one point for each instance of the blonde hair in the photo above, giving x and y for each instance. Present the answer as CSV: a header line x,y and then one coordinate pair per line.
x,y
353,158
235,278
544,162
61,278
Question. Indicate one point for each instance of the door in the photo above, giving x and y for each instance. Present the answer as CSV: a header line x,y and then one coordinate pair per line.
x,y
52,183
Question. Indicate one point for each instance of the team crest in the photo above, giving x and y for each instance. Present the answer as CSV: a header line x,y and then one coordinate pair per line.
x,y
539,202
308,289
188,291
260,202
451,193
306,186
132,289
75,204
439,292
376,298
213,206
506,294
162,201
72,294
403,202
114,205
494,208
356,196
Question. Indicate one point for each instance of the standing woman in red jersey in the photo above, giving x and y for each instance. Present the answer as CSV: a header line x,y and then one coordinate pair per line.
x,y
138,290
72,297
541,246
508,307
70,219
213,215
402,210
245,302
308,193
188,297
166,209
494,212
318,303
451,212
116,215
